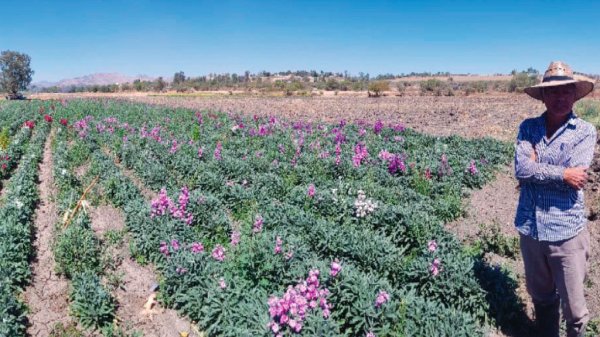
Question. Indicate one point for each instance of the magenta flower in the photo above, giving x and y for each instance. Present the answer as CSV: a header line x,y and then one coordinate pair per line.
x,y
436,267
432,246
197,247
235,238
311,191
218,149
218,253
175,244
258,224
382,298
164,249
278,243
336,267
472,168
378,127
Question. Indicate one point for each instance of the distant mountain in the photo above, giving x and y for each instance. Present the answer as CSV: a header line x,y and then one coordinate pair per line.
x,y
93,79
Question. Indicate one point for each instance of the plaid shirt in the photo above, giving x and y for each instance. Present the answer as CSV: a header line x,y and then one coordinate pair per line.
x,y
549,209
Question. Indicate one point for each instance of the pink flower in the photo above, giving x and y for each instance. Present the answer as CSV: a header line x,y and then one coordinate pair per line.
x,y
311,190
181,270
472,168
335,268
175,244
360,154
164,249
222,283
370,334
218,149
278,244
197,247
200,152
235,238
258,223
382,298
218,253
436,267
432,246
428,174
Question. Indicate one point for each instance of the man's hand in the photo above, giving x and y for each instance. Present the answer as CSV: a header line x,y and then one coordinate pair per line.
x,y
575,177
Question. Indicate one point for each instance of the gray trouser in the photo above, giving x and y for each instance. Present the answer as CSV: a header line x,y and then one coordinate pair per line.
x,y
553,271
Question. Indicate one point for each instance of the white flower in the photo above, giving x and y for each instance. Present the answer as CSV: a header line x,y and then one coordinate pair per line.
x,y
18,203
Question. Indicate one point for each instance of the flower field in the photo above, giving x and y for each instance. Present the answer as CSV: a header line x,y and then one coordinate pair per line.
x,y
260,226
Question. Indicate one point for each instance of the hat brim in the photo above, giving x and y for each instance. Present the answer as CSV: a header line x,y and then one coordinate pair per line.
x,y
583,87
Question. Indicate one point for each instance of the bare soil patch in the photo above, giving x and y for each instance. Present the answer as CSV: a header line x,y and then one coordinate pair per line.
x,y
47,295
136,283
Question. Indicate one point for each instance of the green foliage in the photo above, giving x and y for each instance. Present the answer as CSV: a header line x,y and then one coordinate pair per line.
x,y
15,72
491,239
60,330
385,249
77,249
4,139
90,302
377,87
522,80
588,110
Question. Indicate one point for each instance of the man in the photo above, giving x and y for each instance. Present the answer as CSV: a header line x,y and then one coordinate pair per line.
x,y
553,152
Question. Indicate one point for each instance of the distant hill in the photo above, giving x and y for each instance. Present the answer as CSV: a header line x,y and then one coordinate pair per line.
x,y
93,79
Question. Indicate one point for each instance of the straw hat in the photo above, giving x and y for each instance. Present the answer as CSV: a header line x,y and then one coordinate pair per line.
x,y
560,73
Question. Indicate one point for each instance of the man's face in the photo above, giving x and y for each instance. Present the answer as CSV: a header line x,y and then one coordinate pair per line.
x,y
559,100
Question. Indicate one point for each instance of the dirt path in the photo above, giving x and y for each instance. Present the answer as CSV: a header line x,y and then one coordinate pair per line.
x,y
47,295
136,283
496,204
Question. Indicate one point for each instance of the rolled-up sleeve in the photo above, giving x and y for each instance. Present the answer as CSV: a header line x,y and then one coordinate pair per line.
x,y
528,170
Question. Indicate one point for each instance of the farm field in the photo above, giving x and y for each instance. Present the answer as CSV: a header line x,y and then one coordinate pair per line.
x,y
261,217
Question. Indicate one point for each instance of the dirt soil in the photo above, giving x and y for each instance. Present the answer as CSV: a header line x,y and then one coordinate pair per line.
x,y
47,295
136,284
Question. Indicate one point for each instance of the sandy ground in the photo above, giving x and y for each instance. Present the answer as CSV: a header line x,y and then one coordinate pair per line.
x,y
47,294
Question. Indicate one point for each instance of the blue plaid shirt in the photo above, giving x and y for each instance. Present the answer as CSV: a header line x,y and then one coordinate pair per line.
x,y
549,209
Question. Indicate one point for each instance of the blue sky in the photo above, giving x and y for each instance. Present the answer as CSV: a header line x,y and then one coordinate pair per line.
x,y
157,38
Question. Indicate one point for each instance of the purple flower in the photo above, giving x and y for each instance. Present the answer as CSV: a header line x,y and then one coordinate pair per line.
x,y
218,149
436,267
378,127
311,191
258,223
164,249
218,253
197,247
278,243
235,238
472,168
432,246
336,267
382,298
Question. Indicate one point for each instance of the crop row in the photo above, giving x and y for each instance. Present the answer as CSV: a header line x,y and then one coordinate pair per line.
x,y
16,231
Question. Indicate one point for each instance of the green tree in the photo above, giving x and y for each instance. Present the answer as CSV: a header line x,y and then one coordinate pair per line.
x,y
378,86
15,72
178,78
160,84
